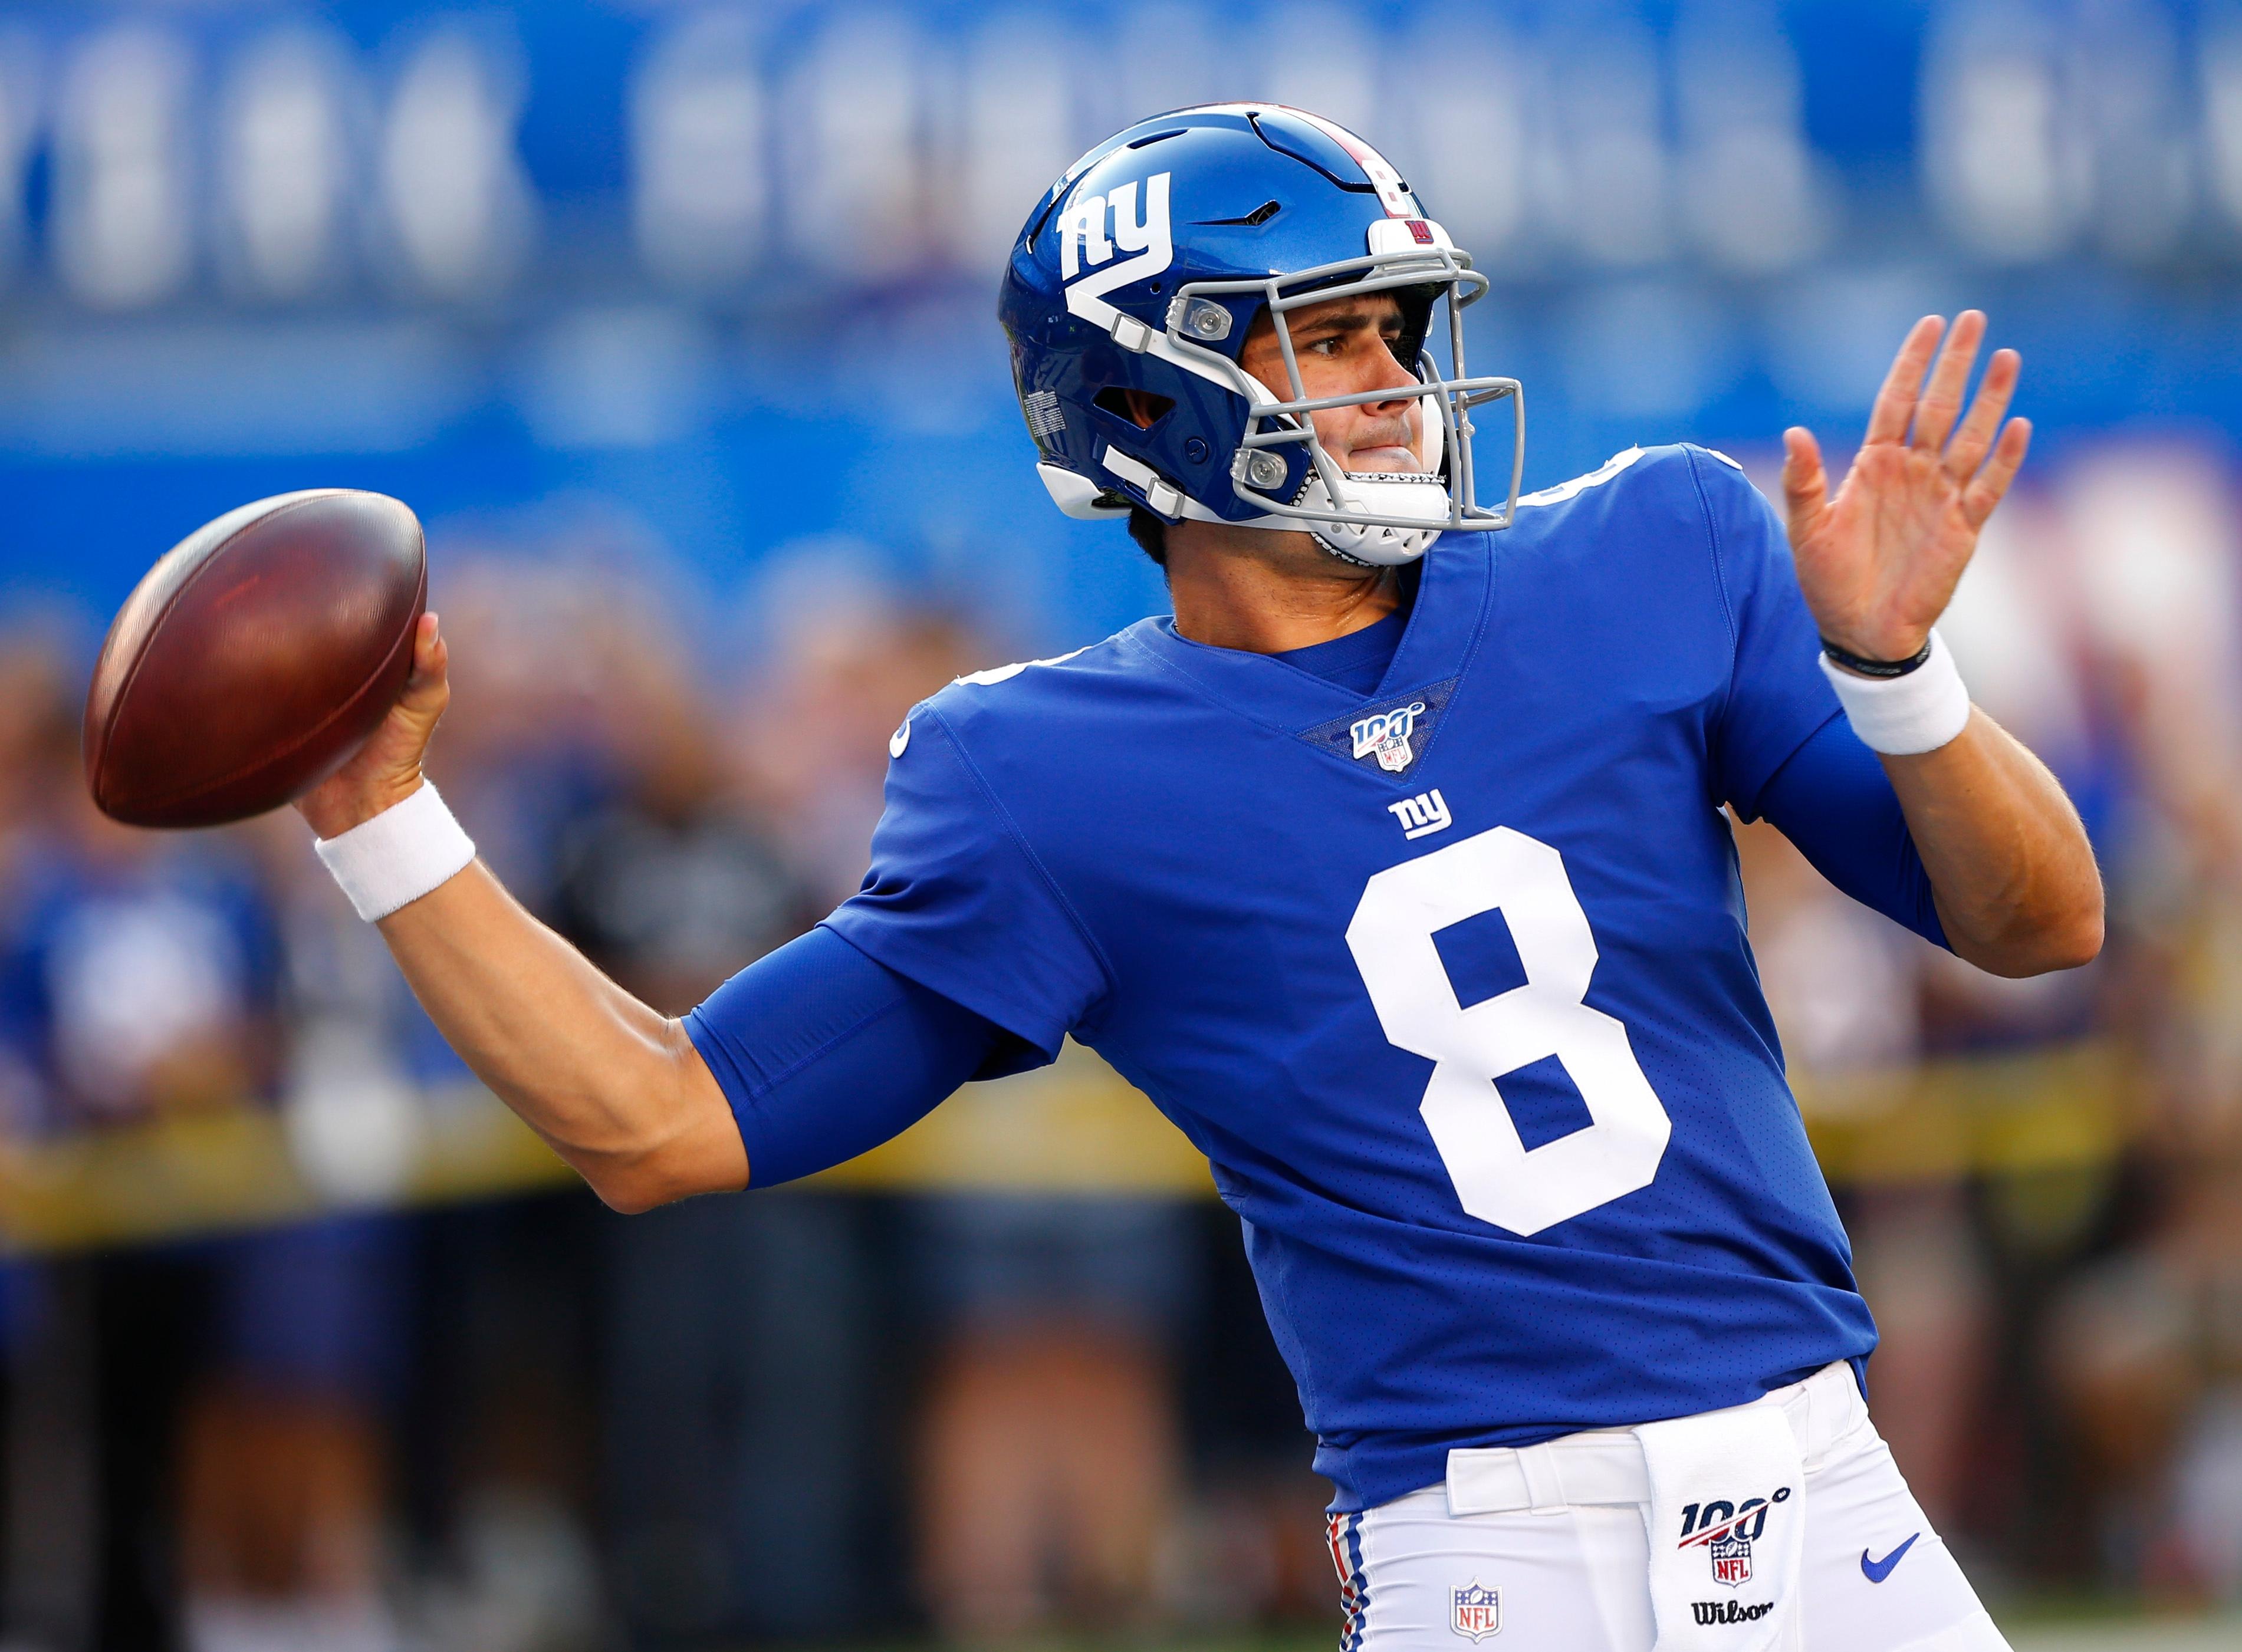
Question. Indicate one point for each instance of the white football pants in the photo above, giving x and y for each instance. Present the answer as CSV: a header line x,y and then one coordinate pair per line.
x,y
1568,1557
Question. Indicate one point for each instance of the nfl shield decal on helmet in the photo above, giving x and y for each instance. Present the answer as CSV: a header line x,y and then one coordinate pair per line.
x,y
1732,1559
1475,1611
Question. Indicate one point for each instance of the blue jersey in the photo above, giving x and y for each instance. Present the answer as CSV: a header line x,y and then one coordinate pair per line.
x,y
1450,983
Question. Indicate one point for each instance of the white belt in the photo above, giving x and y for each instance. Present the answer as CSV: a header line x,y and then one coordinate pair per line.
x,y
1605,1465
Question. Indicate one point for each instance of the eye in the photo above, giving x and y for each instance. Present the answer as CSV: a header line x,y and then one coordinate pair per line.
x,y
1326,347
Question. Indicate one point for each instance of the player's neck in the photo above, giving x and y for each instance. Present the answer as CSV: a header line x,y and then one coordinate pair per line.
x,y
1264,593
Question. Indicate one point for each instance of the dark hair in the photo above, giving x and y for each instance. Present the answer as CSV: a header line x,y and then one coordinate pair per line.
x,y
1149,533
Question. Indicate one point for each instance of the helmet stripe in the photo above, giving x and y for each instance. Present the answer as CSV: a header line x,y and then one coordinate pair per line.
x,y
1384,176
1378,172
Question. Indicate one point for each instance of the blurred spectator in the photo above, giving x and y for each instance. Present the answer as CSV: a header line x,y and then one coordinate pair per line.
x,y
739,1330
506,1415
846,665
51,1515
282,1466
1845,986
1250,1543
2147,1342
676,884
1051,1457
234,1452
527,747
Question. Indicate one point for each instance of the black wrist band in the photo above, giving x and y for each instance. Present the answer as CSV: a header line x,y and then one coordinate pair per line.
x,y
1876,667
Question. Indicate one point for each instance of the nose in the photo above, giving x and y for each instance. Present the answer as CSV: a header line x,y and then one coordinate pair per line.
x,y
1385,371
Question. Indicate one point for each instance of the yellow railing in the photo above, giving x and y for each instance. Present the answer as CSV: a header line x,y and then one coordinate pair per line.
x,y
1073,1126
2062,1107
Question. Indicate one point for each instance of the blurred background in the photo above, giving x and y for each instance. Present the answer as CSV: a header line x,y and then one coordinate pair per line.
x,y
674,323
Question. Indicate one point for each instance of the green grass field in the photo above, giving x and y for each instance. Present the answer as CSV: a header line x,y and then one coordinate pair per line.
x,y
2033,1633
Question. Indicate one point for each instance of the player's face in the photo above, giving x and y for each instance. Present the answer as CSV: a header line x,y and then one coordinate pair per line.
x,y
1344,348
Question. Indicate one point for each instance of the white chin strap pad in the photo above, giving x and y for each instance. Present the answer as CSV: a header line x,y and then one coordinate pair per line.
x,y
1405,494
1402,494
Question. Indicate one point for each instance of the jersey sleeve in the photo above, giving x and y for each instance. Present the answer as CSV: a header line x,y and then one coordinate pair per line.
x,y
956,900
1777,697
825,1054
1834,802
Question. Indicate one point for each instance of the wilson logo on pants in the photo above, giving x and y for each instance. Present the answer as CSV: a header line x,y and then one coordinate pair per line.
x,y
1710,1612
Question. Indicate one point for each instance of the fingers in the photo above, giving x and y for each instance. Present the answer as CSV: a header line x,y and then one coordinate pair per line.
x,y
1979,497
1941,402
1968,449
430,663
1805,483
1895,403
1932,407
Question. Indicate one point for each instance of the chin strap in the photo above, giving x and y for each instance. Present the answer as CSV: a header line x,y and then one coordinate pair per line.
x,y
1163,496
1382,493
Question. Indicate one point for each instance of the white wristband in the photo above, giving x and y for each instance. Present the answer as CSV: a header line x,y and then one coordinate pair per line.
x,y
1902,716
399,856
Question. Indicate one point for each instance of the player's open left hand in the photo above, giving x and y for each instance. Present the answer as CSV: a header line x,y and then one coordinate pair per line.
x,y
387,769
1879,560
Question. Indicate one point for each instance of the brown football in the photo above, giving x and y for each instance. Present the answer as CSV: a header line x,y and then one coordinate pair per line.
x,y
255,658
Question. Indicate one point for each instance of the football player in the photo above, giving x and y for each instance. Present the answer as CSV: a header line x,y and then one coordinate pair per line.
x,y
1404,884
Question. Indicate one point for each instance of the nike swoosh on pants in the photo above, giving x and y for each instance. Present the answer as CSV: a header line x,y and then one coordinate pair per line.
x,y
1876,1571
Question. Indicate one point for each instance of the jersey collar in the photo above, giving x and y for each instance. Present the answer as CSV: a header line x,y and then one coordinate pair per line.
x,y
1444,628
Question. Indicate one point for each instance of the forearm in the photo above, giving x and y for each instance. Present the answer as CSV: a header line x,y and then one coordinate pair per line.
x,y
2011,869
618,1091
615,1087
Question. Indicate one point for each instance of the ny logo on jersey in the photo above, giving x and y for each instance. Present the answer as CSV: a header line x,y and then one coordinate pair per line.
x,y
1423,815
1385,734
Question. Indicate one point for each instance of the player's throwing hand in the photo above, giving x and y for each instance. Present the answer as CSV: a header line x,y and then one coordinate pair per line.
x,y
1879,561
388,767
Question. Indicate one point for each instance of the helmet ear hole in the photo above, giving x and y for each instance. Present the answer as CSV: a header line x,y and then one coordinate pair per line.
x,y
1139,407
1416,322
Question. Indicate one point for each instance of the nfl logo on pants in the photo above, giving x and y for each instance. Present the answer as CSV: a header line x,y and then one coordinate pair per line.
x,y
1474,1612
1732,1560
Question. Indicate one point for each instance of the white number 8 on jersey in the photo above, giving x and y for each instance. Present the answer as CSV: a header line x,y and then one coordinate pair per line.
x,y
1496,1177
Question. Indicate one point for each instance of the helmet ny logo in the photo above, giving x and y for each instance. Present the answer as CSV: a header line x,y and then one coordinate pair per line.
x,y
1086,252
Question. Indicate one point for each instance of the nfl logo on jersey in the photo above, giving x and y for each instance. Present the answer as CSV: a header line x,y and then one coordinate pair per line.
x,y
1386,733
1732,1560
1474,1612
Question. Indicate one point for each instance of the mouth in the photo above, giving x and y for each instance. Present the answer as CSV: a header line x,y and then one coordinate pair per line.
x,y
1388,459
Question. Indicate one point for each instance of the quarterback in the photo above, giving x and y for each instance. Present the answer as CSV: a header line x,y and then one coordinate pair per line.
x,y
1396,868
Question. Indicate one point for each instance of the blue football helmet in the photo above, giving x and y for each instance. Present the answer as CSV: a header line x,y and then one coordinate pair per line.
x,y
1144,267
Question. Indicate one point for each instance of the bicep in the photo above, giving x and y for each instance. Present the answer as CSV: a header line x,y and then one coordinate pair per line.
x,y
1832,799
824,1053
